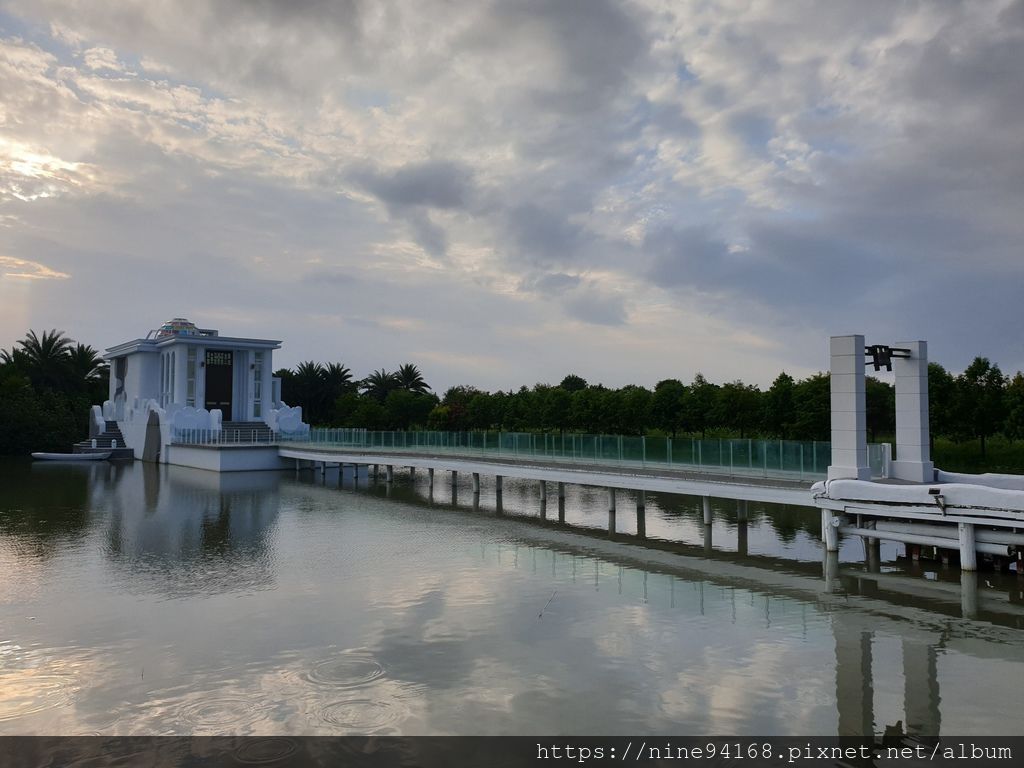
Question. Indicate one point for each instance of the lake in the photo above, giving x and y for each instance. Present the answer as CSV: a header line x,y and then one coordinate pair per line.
x,y
139,599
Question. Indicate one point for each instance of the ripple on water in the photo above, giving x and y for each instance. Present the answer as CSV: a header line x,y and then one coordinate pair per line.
x,y
346,669
222,713
362,716
265,751
26,693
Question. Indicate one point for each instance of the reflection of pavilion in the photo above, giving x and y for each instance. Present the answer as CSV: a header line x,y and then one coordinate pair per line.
x,y
164,520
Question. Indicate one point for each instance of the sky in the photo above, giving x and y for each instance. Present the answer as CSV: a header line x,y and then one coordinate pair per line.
x,y
507,191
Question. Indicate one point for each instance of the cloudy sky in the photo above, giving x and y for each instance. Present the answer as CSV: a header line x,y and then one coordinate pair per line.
x,y
507,191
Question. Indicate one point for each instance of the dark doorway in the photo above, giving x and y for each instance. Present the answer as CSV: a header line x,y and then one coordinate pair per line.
x,y
218,381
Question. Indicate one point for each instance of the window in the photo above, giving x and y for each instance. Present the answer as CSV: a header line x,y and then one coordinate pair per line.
x,y
190,385
257,386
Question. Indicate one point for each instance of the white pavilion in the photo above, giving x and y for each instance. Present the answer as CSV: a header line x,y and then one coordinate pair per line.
x,y
183,387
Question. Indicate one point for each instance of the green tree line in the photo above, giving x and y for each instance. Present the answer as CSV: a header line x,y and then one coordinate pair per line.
x,y
978,404
47,383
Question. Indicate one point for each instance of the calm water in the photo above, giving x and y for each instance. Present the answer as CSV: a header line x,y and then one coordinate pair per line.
x,y
137,599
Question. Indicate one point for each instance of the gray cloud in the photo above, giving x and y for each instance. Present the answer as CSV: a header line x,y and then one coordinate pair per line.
x,y
780,171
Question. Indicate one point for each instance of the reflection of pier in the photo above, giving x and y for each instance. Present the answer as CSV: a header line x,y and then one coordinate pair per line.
x,y
863,606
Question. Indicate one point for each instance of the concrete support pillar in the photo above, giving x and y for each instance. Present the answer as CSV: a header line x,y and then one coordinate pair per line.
x,y
455,491
706,504
641,521
741,537
430,478
412,473
829,530
968,548
873,552
476,482
641,500
543,491
922,715
707,540
561,490
561,509
374,471
969,594
543,509
389,475
741,511
455,478
913,450
497,484
612,526
849,409
611,499
830,571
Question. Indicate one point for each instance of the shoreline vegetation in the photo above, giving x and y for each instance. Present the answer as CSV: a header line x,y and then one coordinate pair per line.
x,y
48,381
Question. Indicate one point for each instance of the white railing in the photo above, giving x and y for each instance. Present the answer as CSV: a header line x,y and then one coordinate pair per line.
x,y
224,437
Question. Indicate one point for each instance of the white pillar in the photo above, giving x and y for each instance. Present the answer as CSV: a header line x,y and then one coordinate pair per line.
x,y
829,531
849,409
968,548
913,452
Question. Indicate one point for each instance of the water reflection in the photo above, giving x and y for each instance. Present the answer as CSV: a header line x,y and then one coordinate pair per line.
x,y
179,601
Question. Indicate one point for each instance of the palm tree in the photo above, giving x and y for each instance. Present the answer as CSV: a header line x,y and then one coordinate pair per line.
x,y
337,380
47,357
86,363
307,386
410,378
380,384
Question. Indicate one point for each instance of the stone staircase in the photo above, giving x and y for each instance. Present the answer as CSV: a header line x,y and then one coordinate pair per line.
x,y
106,441
246,432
